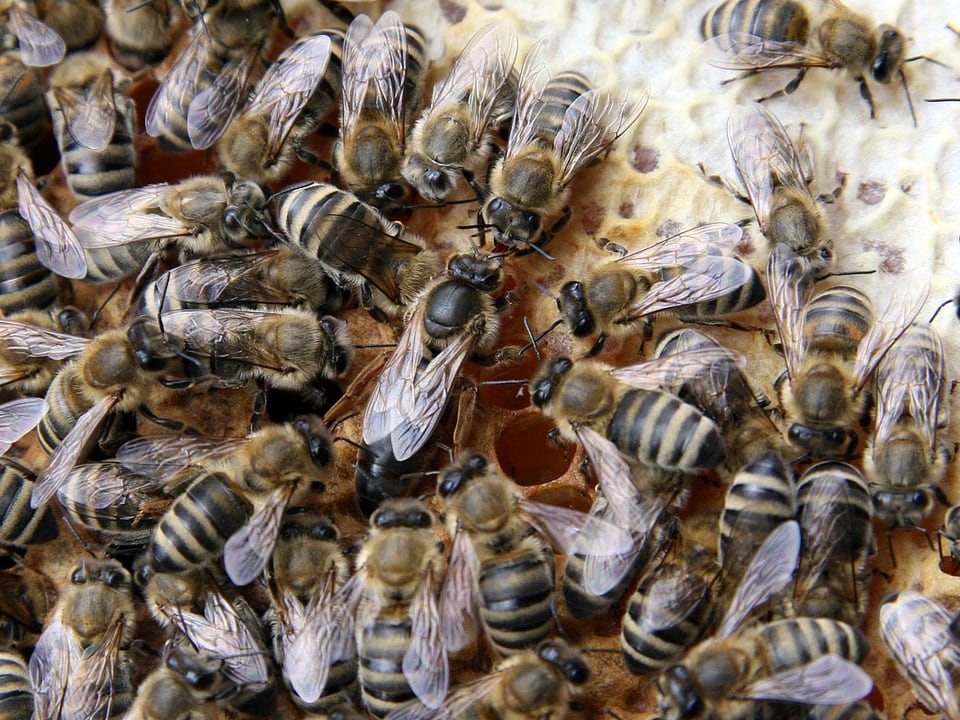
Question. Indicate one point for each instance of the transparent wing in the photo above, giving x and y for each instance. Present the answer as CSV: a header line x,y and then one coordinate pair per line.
x,y
458,595
167,458
35,341
94,677
768,572
105,485
125,216
211,111
425,663
828,680
205,281
58,248
572,530
170,102
40,44
742,51
671,371
225,333
17,418
50,667
457,704
248,550
685,247
530,86
90,115
700,280
669,600
789,287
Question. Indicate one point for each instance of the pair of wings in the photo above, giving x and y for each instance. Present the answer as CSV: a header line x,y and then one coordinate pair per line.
x,y
89,112
57,245
790,287
39,44
17,418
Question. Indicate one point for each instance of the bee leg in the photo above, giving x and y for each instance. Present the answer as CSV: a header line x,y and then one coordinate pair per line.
x,y
340,11
311,158
868,96
474,185
787,89
598,345
259,405
557,227
282,19
739,76
724,183
162,421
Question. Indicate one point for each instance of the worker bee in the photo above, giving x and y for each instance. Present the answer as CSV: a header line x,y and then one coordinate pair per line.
x,y
307,569
499,560
453,136
679,274
140,35
21,99
14,687
79,666
17,418
778,184
39,44
122,231
805,660
285,107
559,127
769,34
390,608
835,513
78,22
94,126
905,463
357,246
920,636
454,317
538,683
832,342
20,524
383,74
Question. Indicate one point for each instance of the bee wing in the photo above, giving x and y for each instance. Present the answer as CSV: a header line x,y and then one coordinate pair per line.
x,y
613,474
50,667
897,311
591,125
789,286
703,279
529,105
213,108
17,418
685,247
425,663
248,550
573,531
35,341
104,485
356,607
224,332
166,458
768,572
671,597
374,60
205,280
181,85
91,683
287,87
58,248
743,51
40,44
671,371
77,444
123,217
828,680
90,115
458,595
456,705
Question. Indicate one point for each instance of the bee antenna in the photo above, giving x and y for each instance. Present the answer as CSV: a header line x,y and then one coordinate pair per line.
x,y
289,189
534,340
96,313
936,100
928,59
449,450
940,307
423,497
544,253
906,91
472,226
375,345
140,5
349,441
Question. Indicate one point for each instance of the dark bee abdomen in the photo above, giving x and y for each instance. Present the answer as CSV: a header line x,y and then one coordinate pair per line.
x,y
98,172
19,523
744,297
340,688
416,69
379,475
776,20
789,643
16,696
65,405
384,643
837,319
516,601
198,524
21,96
558,95
24,282
660,429
838,492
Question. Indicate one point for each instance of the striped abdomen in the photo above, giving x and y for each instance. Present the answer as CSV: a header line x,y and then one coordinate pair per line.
x,y
24,282
21,99
837,319
791,643
198,524
516,600
16,696
105,264
383,686
775,20
660,429
21,524
558,95
65,405
745,296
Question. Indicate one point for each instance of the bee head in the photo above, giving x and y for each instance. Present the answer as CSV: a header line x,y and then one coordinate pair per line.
x,y
679,694
483,273
470,465
545,381
891,52
574,311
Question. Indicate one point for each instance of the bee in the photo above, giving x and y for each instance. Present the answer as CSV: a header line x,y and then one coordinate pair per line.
x,y
23,370
905,463
538,683
453,135
383,74
500,561
559,127
14,687
39,44
357,246
778,184
921,638
78,22
20,524
307,569
285,107
768,34
21,99
379,475
805,660
79,666
835,514
391,608
94,126
126,231
832,342
453,318
681,274
140,35
17,418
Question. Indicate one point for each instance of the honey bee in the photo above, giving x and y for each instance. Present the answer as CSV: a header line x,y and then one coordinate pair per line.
x,y
769,34
307,570
78,22
501,570
17,418
921,638
39,44
778,184
559,127
835,513
538,683
79,667
122,231
21,99
357,246
832,342
905,463
140,35
391,604
454,317
679,274
21,525
27,368
14,687
285,107
94,126
805,660
383,75
453,135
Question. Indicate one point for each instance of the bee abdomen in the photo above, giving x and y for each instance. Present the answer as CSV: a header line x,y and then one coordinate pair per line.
x,y
97,172
112,263
744,297
24,282
516,603
19,523
837,319
382,682
790,643
16,696
65,405
819,486
22,91
660,429
777,20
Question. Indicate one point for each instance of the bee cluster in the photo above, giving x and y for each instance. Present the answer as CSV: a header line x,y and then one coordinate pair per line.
x,y
398,369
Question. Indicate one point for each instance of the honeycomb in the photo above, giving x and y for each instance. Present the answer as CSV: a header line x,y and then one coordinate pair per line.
x,y
898,211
